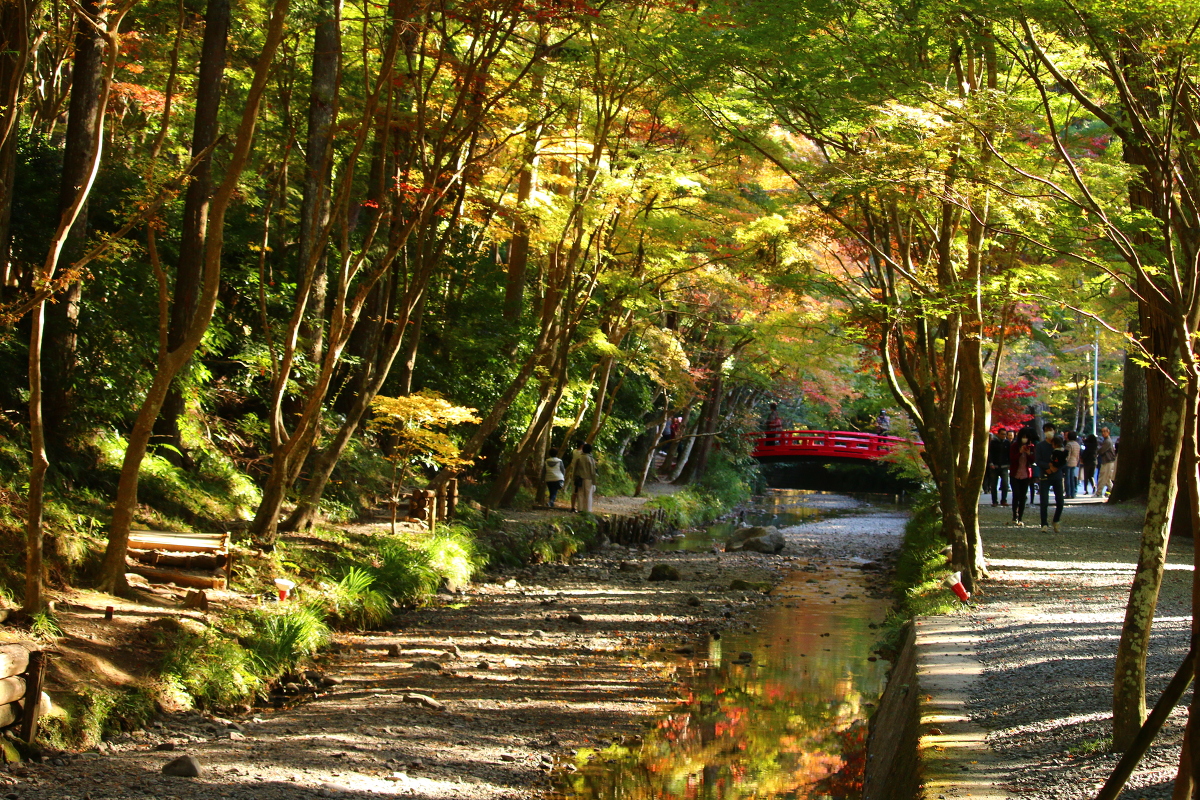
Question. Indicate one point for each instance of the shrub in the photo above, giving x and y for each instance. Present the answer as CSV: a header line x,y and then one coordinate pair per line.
x,y
612,480
409,570
690,507
207,669
405,572
726,481
352,601
920,571
539,544
81,720
283,636
453,555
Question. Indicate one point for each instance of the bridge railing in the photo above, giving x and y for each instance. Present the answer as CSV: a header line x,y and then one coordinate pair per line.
x,y
845,444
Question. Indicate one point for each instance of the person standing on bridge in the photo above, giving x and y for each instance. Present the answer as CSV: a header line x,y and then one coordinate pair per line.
x,y
998,467
774,425
883,425
1020,462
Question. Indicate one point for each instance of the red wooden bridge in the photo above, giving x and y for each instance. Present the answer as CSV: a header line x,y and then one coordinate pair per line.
x,y
821,445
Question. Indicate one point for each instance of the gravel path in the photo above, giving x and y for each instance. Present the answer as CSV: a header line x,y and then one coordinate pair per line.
x,y
1047,627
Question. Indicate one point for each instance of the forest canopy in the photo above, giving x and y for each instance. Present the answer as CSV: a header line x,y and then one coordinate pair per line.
x,y
230,231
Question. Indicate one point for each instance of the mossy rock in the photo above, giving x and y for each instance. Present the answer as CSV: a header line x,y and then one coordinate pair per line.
x,y
739,585
663,572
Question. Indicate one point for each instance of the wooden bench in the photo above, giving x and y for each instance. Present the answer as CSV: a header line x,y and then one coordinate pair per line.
x,y
198,560
21,674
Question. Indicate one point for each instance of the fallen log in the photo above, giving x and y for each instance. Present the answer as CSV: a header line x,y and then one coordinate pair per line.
x,y
178,577
12,689
183,560
9,714
180,542
14,660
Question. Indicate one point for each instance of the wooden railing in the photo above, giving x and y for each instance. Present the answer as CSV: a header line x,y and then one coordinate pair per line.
x,y
822,444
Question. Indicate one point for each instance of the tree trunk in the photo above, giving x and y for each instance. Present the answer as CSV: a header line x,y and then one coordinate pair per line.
x,y
71,213
34,569
658,427
706,427
1132,479
80,149
112,575
1129,679
314,205
14,56
409,364
189,272
1186,784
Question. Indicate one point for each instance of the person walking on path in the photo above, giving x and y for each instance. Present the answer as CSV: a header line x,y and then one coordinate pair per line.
x,y
1020,463
1051,456
583,478
1071,472
1106,457
553,474
1088,458
998,468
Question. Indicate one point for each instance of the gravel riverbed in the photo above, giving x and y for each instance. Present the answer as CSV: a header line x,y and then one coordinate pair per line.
x,y
1046,629
487,694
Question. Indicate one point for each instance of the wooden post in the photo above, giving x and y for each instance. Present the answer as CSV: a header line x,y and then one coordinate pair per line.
x,y
431,506
416,504
440,494
451,497
33,695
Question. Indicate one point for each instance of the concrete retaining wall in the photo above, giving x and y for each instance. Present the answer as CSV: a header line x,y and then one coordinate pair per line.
x,y
893,763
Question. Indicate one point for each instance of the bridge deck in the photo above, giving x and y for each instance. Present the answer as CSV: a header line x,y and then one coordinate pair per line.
x,y
821,445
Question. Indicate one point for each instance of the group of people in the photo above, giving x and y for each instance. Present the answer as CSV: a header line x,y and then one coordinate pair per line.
x,y
1048,463
581,474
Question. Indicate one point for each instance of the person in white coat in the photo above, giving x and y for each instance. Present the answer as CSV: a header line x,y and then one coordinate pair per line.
x,y
553,473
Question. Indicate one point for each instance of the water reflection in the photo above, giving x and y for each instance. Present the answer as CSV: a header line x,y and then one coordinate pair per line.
x,y
776,713
778,507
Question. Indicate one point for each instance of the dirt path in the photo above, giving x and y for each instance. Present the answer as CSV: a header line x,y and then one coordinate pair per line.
x,y
513,676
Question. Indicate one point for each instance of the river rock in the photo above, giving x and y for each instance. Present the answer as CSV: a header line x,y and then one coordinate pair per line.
x,y
756,539
182,767
663,572
422,700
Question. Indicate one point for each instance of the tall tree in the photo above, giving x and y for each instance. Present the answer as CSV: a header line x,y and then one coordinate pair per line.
x,y
47,280
171,360
189,271
81,156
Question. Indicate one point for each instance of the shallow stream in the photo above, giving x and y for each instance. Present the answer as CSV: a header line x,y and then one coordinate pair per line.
x,y
775,711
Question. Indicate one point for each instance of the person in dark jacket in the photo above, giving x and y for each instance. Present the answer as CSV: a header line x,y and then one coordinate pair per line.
x,y
998,457
1051,458
1087,457
1020,464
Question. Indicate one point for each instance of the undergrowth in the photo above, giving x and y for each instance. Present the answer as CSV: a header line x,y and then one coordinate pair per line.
x,y
84,718
723,486
921,571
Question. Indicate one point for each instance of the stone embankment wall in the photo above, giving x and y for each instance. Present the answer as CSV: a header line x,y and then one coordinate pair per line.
x,y
893,764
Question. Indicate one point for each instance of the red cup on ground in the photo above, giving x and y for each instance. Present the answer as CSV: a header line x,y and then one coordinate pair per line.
x,y
284,587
